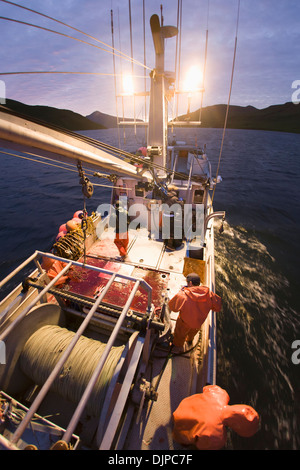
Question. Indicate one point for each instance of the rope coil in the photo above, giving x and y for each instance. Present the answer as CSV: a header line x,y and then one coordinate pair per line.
x,y
71,245
43,350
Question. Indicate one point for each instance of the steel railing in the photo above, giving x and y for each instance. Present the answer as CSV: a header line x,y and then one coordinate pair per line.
x,y
47,385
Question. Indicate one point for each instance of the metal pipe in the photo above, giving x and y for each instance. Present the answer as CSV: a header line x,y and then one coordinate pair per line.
x,y
20,134
212,350
102,270
76,263
211,216
212,331
174,164
32,304
45,389
85,397
112,426
100,319
19,268
7,444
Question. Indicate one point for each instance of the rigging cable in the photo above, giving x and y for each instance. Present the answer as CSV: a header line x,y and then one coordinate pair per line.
x,y
175,66
124,133
71,27
122,154
67,36
205,60
179,54
64,72
131,49
145,78
52,164
114,66
228,104
46,29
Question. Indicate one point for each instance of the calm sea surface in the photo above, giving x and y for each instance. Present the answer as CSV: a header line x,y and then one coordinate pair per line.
x,y
257,257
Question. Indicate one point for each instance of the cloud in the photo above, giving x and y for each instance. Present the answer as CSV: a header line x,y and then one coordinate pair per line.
x,y
266,62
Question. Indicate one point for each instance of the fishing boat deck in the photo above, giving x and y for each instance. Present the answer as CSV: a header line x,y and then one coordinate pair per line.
x,y
148,419
88,334
147,259
173,374
153,430
142,251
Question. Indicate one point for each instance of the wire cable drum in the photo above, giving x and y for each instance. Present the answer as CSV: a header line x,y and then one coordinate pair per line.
x,y
43,350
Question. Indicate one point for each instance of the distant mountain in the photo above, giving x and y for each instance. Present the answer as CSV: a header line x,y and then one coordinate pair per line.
x,y
103,119
106,120
59,117
281,117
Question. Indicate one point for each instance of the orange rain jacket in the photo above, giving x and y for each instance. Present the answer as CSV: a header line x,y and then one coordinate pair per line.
x,y
53,268
194,304
201,419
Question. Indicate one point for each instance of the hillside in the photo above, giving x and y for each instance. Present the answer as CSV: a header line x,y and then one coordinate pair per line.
x,y
59,117
283,117
106,120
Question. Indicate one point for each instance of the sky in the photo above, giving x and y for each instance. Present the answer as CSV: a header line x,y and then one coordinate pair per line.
x,y
266,66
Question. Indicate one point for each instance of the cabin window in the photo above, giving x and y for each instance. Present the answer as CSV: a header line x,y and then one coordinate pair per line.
x,y
139,192
182,161
198,196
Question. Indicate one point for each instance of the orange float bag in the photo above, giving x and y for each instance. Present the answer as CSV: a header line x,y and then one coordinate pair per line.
x,y
201,419
53,268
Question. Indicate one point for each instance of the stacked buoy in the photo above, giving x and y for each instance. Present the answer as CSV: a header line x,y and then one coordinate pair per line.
x,y
72,224
70,239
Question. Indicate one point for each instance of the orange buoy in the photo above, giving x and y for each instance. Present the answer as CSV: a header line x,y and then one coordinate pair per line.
x,y
60,235
78,215
63,228
143,151
72,225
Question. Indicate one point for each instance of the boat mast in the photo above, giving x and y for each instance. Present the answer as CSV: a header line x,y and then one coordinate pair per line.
x,y
158,112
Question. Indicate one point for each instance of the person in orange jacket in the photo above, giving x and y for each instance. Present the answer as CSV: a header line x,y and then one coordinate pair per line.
x,y
121,237
193,303
201,419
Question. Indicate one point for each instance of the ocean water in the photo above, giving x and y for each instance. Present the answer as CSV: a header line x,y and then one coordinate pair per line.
x,y
257,260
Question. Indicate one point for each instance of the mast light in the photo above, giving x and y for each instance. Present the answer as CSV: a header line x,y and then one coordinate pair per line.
x,y
193,80
128,88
